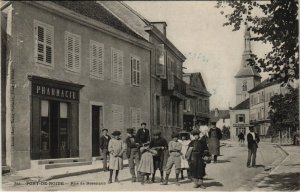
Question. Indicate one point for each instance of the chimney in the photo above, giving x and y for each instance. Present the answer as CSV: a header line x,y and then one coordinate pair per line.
x,y
216,112
161,26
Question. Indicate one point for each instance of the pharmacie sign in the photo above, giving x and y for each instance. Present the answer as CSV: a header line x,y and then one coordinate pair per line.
x,y
57,92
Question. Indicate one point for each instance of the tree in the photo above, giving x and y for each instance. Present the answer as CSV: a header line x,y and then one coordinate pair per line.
x,y
278,26
284,113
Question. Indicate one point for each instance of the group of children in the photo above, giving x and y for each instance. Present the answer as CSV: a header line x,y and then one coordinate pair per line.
x,y
152,155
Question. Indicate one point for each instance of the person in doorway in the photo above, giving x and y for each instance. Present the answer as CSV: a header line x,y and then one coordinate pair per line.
x,y
174,158
116,148
184,163
132,153
143,135
214,137
104,140
146,166
253,140
159,144
241,137
198,148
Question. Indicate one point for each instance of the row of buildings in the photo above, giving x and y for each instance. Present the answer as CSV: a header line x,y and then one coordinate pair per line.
x,y
70,69
253,97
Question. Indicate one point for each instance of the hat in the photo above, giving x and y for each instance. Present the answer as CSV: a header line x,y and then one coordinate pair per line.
x,y
214,123
116,133
156,133
130,130
175,135
143,123
104,130
195,132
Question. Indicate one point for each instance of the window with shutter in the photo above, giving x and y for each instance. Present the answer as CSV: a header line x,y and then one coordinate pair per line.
x,y
72,52
118,117
160,61
44,43
135,71
117,66
96,60
135,118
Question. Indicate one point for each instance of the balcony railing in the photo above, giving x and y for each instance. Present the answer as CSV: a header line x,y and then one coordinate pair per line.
x,y
173,86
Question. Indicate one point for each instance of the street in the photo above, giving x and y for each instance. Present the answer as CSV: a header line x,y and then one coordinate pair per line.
x,y
228,174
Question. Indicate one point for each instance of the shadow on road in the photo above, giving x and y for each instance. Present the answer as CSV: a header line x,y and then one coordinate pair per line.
x,y
223,161
284,182
213,184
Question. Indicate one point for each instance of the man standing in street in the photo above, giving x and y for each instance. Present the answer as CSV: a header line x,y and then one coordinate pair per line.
x,y
104,140
253,140
142,135
132,153
214,137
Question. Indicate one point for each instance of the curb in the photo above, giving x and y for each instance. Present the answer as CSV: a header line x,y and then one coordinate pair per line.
x,y
261,176
279,146
75,173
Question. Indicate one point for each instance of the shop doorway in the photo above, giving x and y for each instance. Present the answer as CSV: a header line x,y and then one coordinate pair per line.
x,y
97,124
54,130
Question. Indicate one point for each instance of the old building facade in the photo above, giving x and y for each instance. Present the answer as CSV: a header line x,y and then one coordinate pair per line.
x,y
72,69
196,105
167,87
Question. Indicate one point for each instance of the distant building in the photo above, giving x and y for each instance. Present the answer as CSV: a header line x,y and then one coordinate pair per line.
x,y
239,118
259,104
196,106
221,117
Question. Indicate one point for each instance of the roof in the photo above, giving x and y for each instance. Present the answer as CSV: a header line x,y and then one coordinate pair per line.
x,y
195,83
246,70
264,84
222,114
96,11
243,105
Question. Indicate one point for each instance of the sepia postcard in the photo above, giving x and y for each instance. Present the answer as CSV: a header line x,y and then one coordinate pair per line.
x,y
150,96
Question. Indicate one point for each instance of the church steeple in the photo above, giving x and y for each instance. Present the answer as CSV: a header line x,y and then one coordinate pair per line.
x,y
247,77
245,69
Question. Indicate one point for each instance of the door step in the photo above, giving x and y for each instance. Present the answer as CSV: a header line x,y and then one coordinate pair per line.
x,y
62,160
60,165
5,169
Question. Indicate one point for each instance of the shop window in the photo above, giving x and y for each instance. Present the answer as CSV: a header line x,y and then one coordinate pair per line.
x,y
73,52
135,71
117,66
96,59
44,40
45,131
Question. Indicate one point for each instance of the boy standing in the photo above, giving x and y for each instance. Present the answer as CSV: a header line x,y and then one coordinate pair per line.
x,y
132,153
104,140
116,148
160,145
174,158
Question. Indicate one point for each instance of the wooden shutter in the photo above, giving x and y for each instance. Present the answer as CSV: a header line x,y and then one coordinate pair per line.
x,y
73,52
118,117
114,60
120,67
77,53
133,71
44,38
96,59
138,72
161,61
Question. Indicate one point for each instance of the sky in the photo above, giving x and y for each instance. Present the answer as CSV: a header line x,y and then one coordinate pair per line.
x,y
196,29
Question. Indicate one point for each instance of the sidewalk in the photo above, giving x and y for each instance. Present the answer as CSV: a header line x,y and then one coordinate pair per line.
x,y
48,174
286,176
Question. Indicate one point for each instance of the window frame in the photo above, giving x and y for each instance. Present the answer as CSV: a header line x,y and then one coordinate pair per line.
x,y
73,36
120,54
36,24
98,45
138,59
